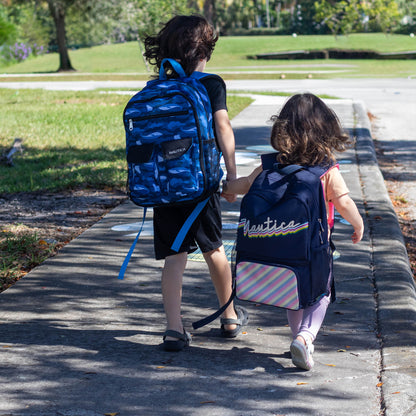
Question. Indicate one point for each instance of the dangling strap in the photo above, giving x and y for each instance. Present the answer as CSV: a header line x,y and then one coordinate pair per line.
x,y
215,315
187,225
220,311
127,259
190,220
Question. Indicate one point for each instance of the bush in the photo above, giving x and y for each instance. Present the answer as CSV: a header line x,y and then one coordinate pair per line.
x,y
20,51
258,31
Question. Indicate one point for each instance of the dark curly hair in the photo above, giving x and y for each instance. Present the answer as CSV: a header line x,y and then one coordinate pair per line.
x,y
186,39
307,132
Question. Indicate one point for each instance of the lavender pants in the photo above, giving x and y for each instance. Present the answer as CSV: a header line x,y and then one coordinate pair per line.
x,y
308,321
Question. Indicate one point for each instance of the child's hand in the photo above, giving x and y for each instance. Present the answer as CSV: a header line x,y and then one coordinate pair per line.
x,y
357,235
229,197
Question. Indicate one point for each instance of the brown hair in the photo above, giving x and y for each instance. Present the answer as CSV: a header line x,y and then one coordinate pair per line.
x,y
307,132
186,39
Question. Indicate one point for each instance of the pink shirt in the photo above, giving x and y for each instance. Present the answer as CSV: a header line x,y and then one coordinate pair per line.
x,y
334,186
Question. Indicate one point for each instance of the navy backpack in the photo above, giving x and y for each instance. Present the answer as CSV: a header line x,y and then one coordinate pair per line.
x,y
171,150
283,256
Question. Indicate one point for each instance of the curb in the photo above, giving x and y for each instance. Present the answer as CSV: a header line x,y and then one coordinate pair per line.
x,y
393,279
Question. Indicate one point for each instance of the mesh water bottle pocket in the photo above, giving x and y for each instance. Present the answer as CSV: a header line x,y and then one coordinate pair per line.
x,y
270,285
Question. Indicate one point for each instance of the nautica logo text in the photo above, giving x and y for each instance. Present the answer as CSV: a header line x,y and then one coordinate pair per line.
x,y
270,228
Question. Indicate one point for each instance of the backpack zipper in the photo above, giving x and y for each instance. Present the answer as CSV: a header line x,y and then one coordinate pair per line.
x,y
152,116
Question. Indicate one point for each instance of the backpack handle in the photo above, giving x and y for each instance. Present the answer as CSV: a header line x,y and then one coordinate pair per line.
x,y
177,67
268,161
288,169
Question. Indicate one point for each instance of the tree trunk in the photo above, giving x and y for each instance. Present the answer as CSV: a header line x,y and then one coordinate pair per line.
x,y
58,13
209,11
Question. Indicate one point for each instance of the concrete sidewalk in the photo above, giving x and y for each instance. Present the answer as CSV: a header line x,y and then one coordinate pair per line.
x,y
76,341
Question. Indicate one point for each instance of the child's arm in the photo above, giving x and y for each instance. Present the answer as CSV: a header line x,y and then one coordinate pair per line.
x,y
226,141
348,210
241,185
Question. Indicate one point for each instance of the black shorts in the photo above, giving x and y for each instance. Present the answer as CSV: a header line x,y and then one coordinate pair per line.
x,y
205,232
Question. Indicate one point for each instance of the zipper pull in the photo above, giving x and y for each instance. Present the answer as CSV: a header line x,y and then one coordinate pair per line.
x,y
130,124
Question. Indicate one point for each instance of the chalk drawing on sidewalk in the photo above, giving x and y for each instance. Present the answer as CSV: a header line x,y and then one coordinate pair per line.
x,y
228,247
243,158
261,148
135,227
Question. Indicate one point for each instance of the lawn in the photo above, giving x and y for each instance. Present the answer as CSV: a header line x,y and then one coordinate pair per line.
x,y
124,61
71,139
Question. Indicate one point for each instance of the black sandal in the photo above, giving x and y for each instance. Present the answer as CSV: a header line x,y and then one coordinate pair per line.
x,y
183,340
240,321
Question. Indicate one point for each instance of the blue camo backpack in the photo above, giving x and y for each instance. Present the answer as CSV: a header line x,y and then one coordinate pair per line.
x,y
282,255
172,155
171,150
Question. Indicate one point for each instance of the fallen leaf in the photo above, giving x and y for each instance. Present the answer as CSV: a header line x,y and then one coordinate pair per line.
x,y
244,332
330,365
207,401
341,350
396,392
111,414
379,384
259,329
160,366
301,383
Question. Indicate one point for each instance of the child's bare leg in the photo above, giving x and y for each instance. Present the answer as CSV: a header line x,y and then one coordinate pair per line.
x,y
220,272
172,276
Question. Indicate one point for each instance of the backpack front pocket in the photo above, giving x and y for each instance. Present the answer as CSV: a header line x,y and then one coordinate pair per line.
x,y
178,169
267,284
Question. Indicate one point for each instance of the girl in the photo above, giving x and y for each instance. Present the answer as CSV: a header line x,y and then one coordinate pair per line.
x,y
307,132
190,40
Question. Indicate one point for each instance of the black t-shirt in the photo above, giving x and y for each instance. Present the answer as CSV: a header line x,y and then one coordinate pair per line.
x,y
217,92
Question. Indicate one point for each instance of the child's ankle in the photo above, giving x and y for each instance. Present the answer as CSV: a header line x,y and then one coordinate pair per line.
x,y
304,339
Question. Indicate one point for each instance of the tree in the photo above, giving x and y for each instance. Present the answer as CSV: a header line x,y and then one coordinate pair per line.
x,y
210,11
7,29
58,11
339,16
383,15
151,14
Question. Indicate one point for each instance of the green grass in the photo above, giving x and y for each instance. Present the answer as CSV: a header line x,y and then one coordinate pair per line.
x,y
231,55
71,139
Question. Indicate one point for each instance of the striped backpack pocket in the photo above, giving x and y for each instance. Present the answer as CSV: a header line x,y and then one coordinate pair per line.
x,y
266,284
